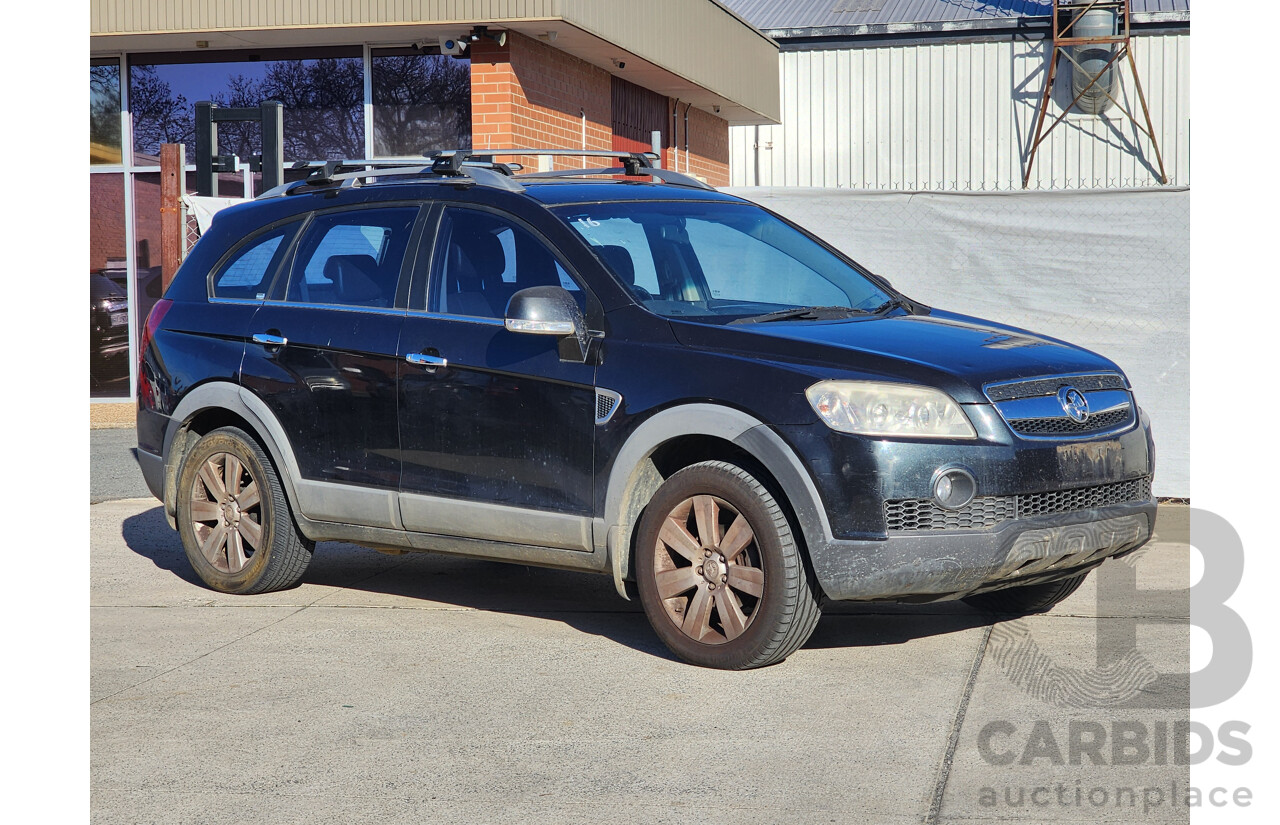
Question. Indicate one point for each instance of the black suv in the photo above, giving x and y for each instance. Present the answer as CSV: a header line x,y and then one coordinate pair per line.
x,y
624,371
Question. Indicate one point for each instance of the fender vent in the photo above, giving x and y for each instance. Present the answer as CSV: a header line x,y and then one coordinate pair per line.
x,y
607,402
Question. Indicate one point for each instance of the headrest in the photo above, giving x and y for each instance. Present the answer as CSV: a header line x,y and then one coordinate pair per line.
x,y
353,278
483,251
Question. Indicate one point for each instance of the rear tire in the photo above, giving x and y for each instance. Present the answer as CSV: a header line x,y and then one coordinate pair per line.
x,y
720,575
234,519
1032,598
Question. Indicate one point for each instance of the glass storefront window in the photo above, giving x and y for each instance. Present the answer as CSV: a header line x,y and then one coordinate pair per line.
x,y
104,112
108,301
322,93
147,239
420,102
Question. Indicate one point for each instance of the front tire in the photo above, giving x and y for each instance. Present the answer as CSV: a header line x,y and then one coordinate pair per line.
x,y
234,519
720,575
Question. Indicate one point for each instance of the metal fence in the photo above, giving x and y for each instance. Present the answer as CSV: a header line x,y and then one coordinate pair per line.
x,y
1109,270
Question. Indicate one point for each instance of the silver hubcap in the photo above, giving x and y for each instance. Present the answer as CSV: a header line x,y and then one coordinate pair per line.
x,y
707,570
226,513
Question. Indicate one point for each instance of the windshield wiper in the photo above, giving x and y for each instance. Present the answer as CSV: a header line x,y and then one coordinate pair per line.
x,y
802,313
892,303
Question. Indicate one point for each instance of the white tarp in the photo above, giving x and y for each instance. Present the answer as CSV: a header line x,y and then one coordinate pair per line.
x,y
205,208
1109,270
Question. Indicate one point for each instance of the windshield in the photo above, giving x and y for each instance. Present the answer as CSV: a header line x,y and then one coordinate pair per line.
x,y
721,262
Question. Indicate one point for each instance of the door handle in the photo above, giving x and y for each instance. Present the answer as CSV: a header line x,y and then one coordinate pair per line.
x,y
422,359
269,339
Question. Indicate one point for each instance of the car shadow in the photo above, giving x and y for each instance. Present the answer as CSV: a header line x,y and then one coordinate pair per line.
x,y
586,602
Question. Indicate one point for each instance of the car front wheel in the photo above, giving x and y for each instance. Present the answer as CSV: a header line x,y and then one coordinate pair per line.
x,y
234,520
719,572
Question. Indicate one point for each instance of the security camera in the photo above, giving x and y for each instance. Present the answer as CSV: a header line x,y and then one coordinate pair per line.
x,y
449,45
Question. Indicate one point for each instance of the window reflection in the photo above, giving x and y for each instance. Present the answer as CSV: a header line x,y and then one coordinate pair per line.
x,y
323,101
108,304
104,112
420,102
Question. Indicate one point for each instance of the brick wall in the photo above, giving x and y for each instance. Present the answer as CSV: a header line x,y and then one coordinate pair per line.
x,y
106,220
528,93
708,141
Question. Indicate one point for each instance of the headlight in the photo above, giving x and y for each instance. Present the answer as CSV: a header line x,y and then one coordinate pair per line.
x,y
871,408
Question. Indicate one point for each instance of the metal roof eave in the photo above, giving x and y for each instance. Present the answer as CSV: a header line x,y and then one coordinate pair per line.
x,y
979,26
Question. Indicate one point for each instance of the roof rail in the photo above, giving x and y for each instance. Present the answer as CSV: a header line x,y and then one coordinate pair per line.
x,y
631,164
626,159
664,175
329,174
470,167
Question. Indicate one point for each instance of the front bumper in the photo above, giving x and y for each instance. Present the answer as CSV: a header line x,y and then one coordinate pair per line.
x,y
940,565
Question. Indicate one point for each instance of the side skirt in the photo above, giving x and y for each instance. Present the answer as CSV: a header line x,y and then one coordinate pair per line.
x,y
380,538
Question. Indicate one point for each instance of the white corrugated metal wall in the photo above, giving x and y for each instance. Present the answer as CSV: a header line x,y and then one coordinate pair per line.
x,y
960,116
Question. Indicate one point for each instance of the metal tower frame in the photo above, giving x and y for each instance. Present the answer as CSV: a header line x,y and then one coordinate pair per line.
x,y
1066,13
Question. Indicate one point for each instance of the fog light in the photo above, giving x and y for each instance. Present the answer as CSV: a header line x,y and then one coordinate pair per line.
x,y
954,488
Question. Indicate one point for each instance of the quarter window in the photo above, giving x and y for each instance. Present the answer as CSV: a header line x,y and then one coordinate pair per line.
x,y
248,274
352,258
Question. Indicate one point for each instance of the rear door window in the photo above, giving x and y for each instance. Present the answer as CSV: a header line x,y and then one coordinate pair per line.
x,y
482,259
352,258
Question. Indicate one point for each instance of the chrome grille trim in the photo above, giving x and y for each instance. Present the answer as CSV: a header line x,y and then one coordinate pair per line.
x,y
1032,409
923,514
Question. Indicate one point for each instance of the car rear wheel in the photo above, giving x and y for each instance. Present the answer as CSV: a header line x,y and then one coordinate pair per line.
x,y
234,520
1032,598
719,572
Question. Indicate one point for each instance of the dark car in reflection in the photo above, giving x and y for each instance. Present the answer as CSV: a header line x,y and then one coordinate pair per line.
x,y
108,331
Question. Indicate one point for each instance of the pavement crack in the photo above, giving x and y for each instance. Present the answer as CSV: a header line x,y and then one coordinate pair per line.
x,y
944,769
208,652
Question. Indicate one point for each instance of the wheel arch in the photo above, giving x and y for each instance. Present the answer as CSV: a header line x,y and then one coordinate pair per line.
x,y
691,433
217,404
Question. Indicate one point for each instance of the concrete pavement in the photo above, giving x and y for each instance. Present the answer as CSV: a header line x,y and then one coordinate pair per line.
x,y
423,688
113,470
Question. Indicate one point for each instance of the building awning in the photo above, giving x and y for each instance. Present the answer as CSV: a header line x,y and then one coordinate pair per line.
x,y
694,50
799,19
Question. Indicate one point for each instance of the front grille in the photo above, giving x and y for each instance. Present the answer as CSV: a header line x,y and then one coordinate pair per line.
x,y
1065,426
924,514
1049,386
1083,498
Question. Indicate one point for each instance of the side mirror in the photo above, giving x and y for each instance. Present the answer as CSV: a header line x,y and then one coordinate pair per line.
x,y
550,310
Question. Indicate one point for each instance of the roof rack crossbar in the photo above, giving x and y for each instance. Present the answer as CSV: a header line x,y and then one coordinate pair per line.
x,y
664,175
644,159
328,174
470,167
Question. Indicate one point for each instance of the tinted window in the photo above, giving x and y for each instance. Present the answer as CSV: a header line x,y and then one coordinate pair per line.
x,y
482,259
352,258
249,272
718,261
